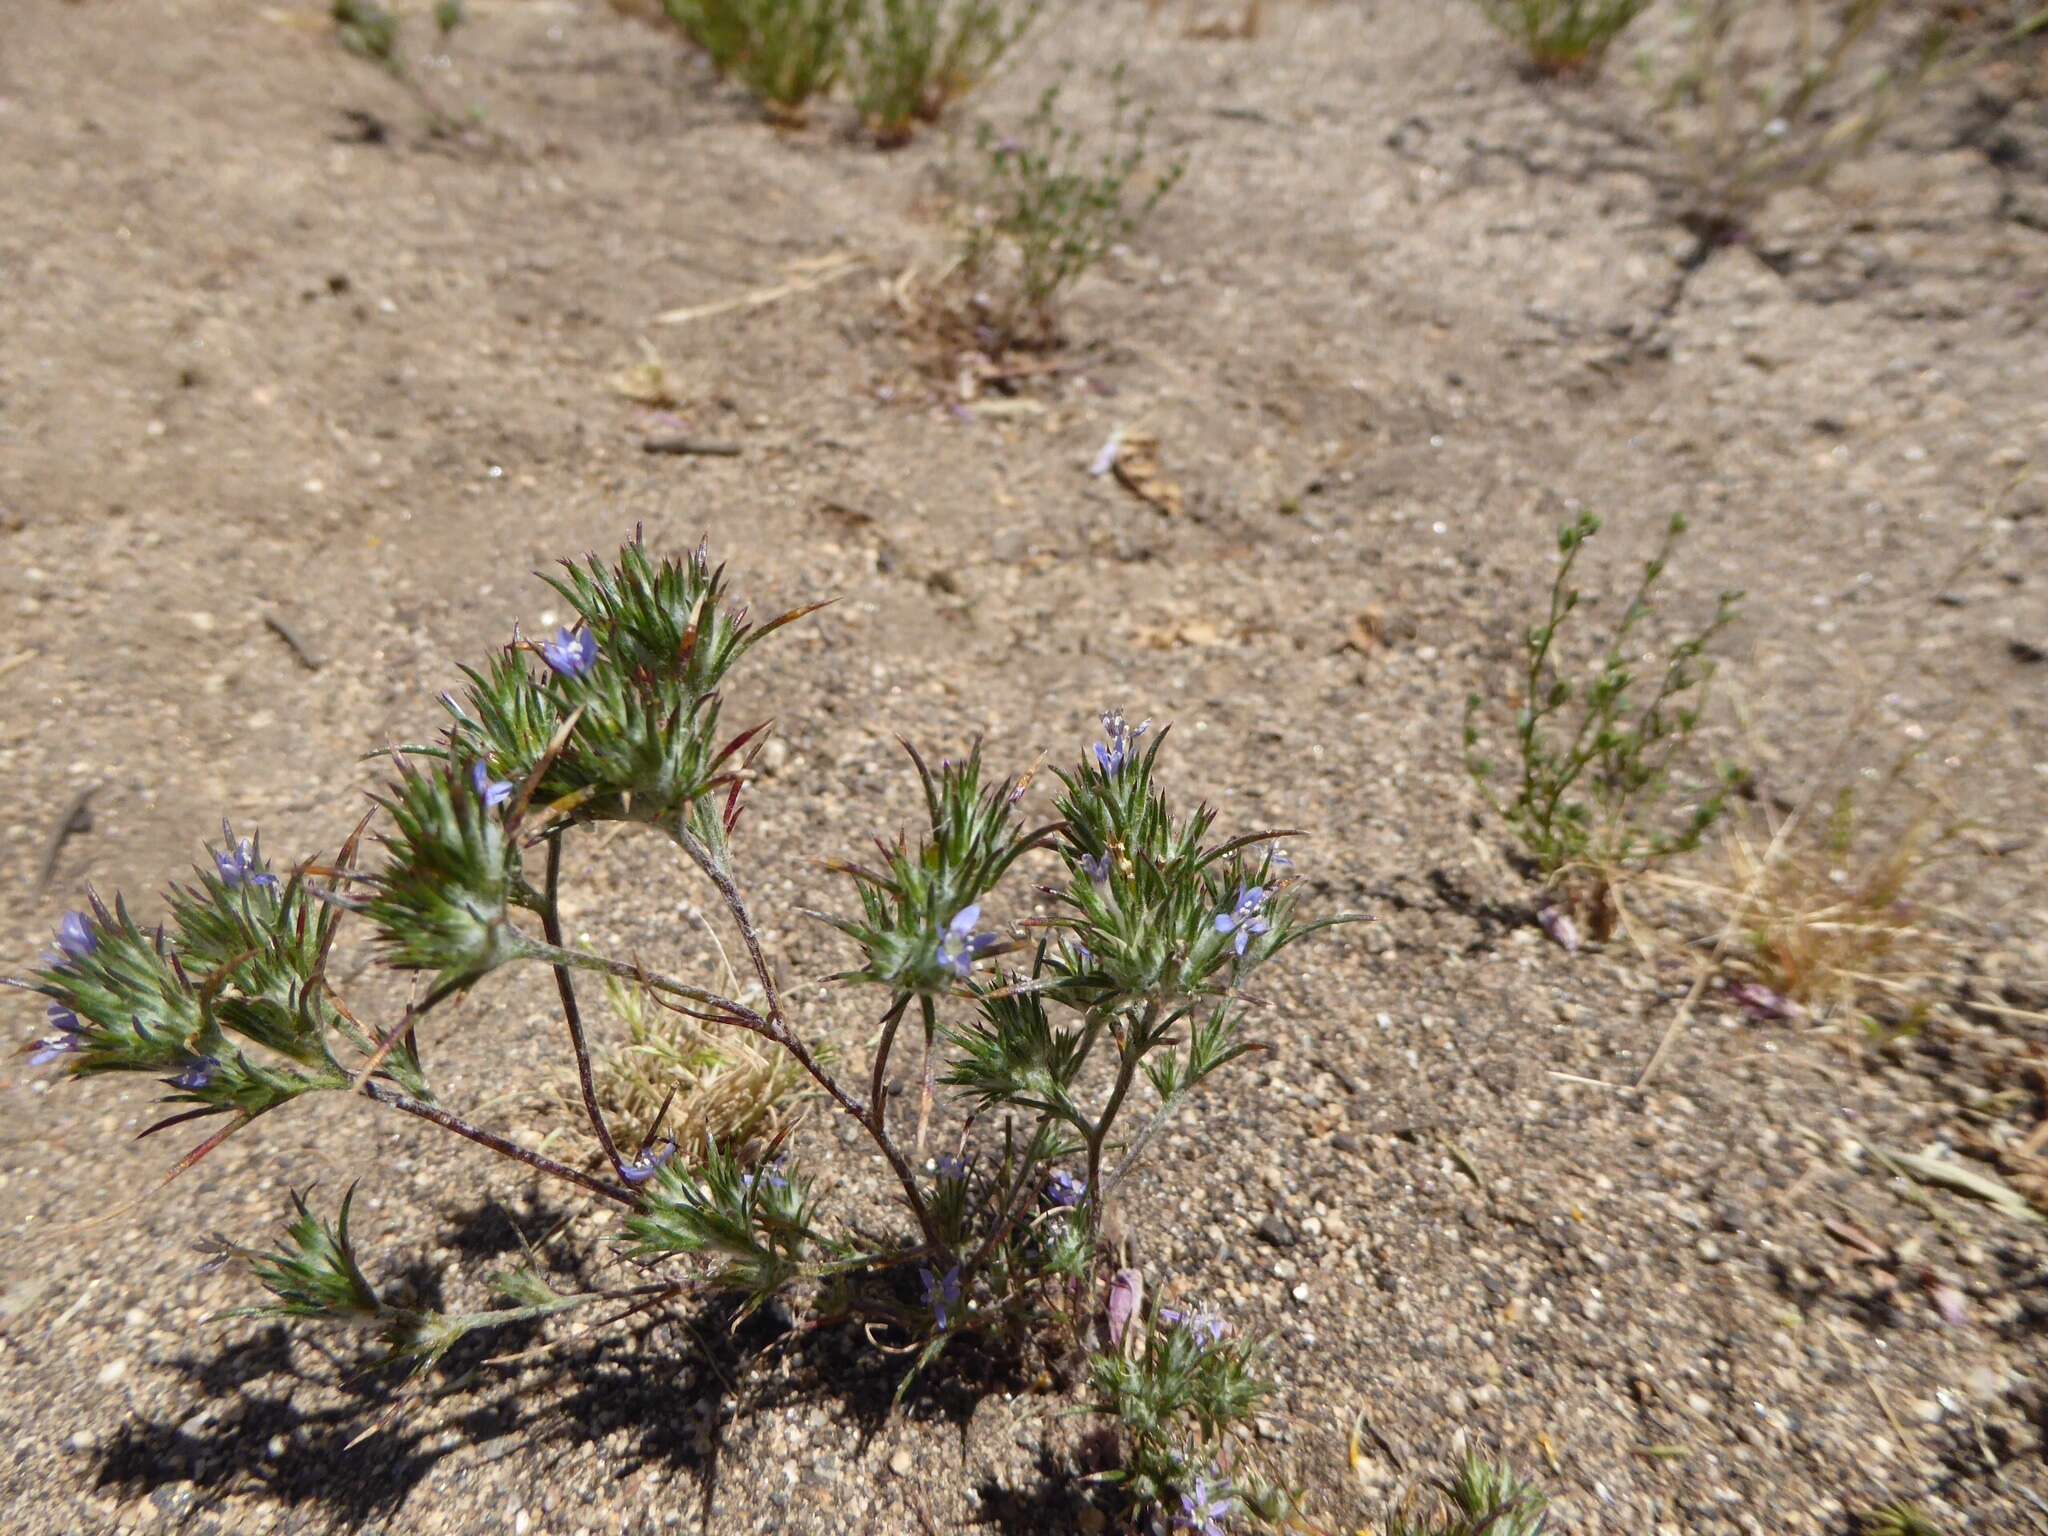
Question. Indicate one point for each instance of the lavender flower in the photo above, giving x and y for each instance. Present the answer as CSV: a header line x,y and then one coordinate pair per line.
x,y
1204,1506
1122,746
75,936
1079,956
1762,1002
1096,869
69,1037
1105,459
941,1293
239,865
1564,933
571,653
1243,919
1064,1190
493,792
1206,1328
770,1177
960,946
952,1170
196,1076
647,1164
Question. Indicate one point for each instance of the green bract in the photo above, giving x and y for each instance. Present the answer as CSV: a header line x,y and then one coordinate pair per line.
x,y
908,903
755,1224
443,900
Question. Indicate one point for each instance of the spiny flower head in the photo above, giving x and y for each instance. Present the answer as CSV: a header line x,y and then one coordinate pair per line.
x,y
919,906
441,902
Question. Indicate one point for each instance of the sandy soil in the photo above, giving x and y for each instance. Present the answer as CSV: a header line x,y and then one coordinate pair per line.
x,y
1391,328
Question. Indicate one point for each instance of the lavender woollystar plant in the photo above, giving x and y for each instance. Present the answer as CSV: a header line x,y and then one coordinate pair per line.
x,y
1047,1065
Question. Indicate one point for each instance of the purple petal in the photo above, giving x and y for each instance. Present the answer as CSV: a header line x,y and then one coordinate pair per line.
x,y
75,936
1761,1002
196,1076
1105,460
1126,1295
1557,922
647,1165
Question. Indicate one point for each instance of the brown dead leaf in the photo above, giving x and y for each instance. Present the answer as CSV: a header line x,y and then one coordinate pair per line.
x,y
1367,631
1867,1248
1237,28
1138,471
647,383
1177,633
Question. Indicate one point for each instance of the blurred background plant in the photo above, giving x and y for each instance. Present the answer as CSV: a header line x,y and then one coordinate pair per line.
x,y
1900,1520
783,52
1048,206
1479,1498
1563,37
1604,785
372,30
916,58
1771,97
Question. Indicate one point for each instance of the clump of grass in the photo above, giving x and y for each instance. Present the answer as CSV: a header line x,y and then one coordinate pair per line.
x,y
1900,1520
1050,207
1481,1498
1564,37
1772,98
675,1078
915,58
784,52
1827,922
1603,789
371,30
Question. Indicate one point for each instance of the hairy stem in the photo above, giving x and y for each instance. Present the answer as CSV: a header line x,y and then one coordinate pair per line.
x,y
1126,1071
878,1091
551,924
498,1144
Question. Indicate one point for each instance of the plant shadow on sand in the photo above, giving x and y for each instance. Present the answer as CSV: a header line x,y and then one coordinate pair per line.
x,y
306,1424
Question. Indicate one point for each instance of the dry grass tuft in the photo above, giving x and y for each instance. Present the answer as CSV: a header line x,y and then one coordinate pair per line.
x,y
1832,923
721,1086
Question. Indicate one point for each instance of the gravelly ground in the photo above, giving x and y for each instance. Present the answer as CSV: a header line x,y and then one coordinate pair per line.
x,y
248,367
